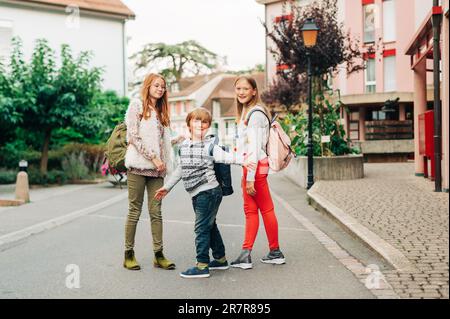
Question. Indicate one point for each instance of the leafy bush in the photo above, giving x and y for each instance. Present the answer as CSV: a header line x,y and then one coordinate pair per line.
x,y
326,122
56,177
53,177
7,176
74,166
93,154
35,177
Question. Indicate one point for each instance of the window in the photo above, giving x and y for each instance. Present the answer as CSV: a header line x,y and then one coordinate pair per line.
x,y
370,79
378,115
183,108
5,37
390,80
354,125
389,30
216,110
369,23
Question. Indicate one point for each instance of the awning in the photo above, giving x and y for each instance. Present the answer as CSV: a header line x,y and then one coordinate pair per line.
x,y
421,45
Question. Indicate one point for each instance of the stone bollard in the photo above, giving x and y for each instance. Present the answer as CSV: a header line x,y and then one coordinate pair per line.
x,y
22,187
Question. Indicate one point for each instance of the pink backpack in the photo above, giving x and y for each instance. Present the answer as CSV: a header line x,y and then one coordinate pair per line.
x,y
278,145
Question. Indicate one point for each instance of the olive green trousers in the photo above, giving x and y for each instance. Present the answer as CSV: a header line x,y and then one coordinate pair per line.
x,y
136,189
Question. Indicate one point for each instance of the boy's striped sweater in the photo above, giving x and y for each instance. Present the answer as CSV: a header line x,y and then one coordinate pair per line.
x,y
196,166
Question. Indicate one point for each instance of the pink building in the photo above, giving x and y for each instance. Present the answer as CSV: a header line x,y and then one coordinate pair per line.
x,y
188,94
385,27
420,52
388,27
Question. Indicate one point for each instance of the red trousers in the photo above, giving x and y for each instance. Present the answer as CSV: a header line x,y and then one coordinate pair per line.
x,y
262,201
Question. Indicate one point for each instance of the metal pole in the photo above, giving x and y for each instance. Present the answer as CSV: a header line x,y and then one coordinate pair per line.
x,y
436,20
310,130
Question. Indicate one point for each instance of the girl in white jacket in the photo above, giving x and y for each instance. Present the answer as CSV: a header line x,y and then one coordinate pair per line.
x,y
253,134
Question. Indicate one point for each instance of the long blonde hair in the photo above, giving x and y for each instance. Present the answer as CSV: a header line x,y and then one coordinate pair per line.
x,y
162,104
256,100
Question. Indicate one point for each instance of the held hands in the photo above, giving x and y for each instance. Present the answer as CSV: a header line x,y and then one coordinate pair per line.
x,y
161,193
160,167
178,139
250,188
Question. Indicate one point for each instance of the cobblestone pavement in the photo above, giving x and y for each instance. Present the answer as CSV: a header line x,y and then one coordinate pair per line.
x,y
405,211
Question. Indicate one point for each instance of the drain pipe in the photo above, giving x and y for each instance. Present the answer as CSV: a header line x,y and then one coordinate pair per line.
x,y
436,21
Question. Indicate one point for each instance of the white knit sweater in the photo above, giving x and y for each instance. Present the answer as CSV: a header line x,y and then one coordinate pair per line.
x,y
144,137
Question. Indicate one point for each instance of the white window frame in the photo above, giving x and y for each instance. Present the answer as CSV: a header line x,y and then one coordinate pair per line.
x,y
365,9
370,83
389,21
215,110
390,73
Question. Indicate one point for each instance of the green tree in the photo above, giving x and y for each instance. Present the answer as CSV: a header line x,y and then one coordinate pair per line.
x,y
96,124
9,116
174,61
50,97
335,48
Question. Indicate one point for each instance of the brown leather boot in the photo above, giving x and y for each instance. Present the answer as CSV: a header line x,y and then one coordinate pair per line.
x,y
162,262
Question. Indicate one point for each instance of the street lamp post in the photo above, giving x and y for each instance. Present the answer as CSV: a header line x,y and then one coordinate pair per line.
x,y
309,33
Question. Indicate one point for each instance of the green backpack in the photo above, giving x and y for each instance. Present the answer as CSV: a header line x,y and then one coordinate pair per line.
x,y
116,148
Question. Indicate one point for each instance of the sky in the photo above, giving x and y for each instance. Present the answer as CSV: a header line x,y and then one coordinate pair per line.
x,y
230,28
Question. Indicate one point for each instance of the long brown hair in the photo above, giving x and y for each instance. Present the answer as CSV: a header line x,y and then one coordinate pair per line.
x,y
162,104
256,100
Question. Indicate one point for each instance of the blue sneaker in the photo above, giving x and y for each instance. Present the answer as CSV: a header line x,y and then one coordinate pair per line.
x,y
195,272
217,265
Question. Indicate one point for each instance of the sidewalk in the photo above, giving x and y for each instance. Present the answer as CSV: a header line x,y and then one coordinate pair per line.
x,y
406,214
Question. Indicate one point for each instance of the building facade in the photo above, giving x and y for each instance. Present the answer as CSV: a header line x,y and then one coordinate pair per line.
x,y
385,28
420,51
86,25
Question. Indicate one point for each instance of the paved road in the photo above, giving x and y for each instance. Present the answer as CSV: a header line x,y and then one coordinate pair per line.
x,y
35,267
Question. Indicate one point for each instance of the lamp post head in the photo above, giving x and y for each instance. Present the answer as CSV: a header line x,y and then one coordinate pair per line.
x,y
309,32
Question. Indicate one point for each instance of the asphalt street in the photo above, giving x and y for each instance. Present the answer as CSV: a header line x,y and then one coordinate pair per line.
x,y
47,265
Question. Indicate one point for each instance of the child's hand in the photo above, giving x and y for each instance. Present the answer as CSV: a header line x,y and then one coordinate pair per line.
x,y
250,165
250,188
178,139
160,166
161,193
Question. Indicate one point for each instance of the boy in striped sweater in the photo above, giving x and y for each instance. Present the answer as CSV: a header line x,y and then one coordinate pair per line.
x,y
196,169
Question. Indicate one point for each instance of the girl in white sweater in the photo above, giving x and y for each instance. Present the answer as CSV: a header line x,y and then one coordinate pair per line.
x,y
149,156
253,134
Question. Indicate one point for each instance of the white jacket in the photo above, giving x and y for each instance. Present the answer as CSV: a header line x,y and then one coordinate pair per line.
x,y
252,138
144,137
